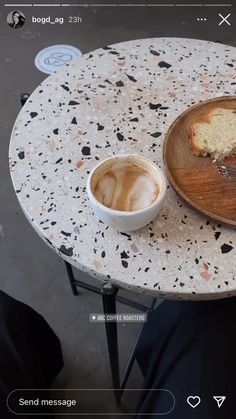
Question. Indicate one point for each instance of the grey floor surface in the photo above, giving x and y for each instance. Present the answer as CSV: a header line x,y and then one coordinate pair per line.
x,y
30,271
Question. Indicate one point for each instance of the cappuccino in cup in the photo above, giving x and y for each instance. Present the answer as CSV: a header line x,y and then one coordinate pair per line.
x,y
126,187
126,191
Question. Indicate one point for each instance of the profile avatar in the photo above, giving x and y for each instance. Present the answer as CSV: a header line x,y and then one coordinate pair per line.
x,y
16,19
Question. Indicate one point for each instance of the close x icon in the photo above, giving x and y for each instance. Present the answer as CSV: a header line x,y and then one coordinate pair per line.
x,y
224,19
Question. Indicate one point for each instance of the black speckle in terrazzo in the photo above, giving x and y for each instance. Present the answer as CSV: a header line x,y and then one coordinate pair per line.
x,y
217,234
66,251
103,254
73,103
226,248
197,261
100,127
127,235
153,52
134,120
55,131
33,114
86,151
131,78
65,87
154,105
156,134
124,255
163,64
120,136
65,233
21,155
59,160
124,263
74,121
114,52
119,83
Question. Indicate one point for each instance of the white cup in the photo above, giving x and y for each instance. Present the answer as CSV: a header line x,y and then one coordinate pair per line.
x,y
126,220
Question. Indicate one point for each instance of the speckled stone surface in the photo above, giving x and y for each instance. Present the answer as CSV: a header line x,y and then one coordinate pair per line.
x,y
123,98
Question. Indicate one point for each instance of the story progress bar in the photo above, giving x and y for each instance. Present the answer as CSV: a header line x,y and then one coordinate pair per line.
x,y
115,5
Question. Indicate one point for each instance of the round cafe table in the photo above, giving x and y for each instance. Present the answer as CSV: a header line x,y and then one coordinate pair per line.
x,y
122,99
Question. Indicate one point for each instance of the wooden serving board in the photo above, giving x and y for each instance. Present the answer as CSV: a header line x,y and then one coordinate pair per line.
x,y
197,179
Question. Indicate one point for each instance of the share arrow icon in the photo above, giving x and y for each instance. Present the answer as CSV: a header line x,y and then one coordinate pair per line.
x,y
219,400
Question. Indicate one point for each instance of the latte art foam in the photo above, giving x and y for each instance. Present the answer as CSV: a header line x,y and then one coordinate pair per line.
x,y
126,187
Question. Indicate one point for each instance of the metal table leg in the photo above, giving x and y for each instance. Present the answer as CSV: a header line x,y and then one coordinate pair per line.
x,y
71,278
133,353
23,98
109,306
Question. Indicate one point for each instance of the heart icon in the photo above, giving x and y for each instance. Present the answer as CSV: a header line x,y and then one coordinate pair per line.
x,y
193,401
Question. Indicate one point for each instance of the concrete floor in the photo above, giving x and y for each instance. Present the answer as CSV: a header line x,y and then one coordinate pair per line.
x,y
30,271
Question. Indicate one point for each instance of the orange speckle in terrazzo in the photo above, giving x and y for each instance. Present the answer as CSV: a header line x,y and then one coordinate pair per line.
x,y
79,164
170,78
97,264
206,85
205,266
205,77
205,275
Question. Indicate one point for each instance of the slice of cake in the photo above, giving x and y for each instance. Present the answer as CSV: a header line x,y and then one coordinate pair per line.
x,y
215,135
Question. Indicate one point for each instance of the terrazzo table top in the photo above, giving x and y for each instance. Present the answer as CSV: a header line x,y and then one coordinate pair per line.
x,y
123,98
